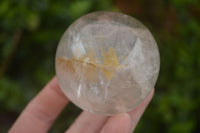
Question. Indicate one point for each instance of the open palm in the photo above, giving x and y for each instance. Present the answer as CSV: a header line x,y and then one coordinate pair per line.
x,y
43,110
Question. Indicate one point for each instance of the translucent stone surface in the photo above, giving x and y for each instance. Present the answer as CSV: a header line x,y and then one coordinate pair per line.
x,y
107,62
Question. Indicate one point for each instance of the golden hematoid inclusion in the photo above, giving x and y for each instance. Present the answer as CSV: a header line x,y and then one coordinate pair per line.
x,y
89,64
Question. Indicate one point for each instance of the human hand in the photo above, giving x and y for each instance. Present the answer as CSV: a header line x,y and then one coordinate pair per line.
x,y
42,111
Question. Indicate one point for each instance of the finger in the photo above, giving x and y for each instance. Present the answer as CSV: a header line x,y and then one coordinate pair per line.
x,y
88,123
120,123
41,112
126,122
137,112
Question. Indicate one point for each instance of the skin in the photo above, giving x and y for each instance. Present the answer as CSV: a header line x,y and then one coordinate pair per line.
x,y
42,111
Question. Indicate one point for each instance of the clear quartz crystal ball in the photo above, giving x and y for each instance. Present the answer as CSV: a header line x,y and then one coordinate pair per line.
x,y
107,62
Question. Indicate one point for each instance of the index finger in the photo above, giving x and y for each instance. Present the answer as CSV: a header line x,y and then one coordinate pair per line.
x,y
42,111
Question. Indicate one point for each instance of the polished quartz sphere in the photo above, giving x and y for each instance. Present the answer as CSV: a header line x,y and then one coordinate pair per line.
x,y
107,62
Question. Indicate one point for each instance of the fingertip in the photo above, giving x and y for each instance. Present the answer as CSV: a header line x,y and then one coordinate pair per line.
x,y
120,123
138,111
